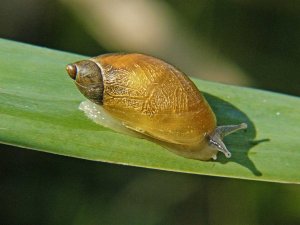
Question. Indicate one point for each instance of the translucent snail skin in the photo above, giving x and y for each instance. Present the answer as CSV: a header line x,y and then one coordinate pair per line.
x,y
153,98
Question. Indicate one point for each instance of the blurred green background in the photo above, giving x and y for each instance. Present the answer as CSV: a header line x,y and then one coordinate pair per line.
x,y
241,42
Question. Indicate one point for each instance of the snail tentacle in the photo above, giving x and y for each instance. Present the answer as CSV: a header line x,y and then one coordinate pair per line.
x,y
215,139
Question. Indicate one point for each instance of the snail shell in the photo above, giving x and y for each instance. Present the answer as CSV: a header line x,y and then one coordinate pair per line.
x,y
152,97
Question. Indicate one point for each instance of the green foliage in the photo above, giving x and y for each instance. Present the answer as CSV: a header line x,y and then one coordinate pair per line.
x,y
39,110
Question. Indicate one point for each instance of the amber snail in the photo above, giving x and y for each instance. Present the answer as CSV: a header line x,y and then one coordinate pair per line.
x,y
153,98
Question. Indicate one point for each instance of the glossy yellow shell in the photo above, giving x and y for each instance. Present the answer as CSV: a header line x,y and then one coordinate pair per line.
x,y
153,97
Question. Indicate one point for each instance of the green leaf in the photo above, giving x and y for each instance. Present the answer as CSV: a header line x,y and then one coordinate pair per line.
x,y
39,110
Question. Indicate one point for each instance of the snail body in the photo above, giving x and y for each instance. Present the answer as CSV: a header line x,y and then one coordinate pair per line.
x,y
153,98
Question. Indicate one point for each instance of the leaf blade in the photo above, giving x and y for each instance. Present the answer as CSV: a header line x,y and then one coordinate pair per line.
x,y
39,110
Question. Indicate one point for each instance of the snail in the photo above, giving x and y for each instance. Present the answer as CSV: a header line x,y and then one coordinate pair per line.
x,y
148,96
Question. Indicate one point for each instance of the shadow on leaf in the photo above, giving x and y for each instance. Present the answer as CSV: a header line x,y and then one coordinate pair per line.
x,y
226,114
